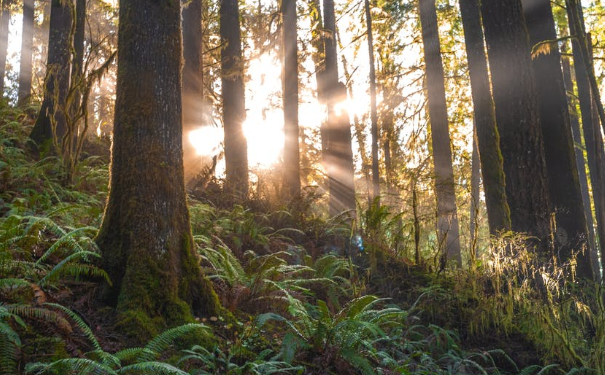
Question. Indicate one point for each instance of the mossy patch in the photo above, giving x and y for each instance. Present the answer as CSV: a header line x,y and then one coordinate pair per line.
x,y
137,325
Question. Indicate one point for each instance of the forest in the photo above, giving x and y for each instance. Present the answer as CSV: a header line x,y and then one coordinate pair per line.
x,y
319,187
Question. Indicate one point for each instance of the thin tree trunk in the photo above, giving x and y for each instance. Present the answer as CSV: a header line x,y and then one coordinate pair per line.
x,y
474,214
488,139
517,117
50,126
576,17
291,145
234,108
571,231
145,237
373,109
339,149
192,92
590,127
581,163
78,58
4,24
447,216
27,41
318,57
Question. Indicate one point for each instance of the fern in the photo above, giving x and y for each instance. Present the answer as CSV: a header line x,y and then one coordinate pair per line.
x,y
164,340
79,323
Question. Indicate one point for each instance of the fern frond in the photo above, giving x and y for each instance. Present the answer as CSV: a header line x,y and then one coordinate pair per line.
x,y
79,323
156,368
165,339
67,241
80,366
39,313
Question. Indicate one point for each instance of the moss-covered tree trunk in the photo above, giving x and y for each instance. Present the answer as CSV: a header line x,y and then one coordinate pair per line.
x,y
291,144
78,58
145,237
4,23
192,92
234,107
339,154
56,85
488,139
517,117
25,64
447,215
571,233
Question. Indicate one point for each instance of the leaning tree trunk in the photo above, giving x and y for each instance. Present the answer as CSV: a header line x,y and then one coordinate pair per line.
x,y
145,237
517,117
234,108
192,92
488,139
50,126
291,145
571,232
447,216
581,163
339,153
27,41
373,109
4,23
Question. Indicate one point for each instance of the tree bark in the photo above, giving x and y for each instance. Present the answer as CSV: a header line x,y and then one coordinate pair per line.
x,y
145,237
517,117
590,128
77,72
234,108
581,163
474,209
373,109
291,145
488,138
571,232
447,216
27,41
51,125
339,152
192,92
4,24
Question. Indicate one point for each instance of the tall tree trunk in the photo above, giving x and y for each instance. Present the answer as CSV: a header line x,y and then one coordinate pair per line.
x,y
145,237
291,145
447,216
27,41
575,17
488,139
517,117
4,24
571,232
590,127
339,158
373,109
192,92
318,57
77,73
474,209
234,108
50,125
581,163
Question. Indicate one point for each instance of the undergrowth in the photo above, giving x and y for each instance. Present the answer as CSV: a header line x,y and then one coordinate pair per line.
x,y
311,294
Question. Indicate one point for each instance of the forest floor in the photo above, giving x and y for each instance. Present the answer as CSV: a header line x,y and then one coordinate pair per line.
x,y
305,300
